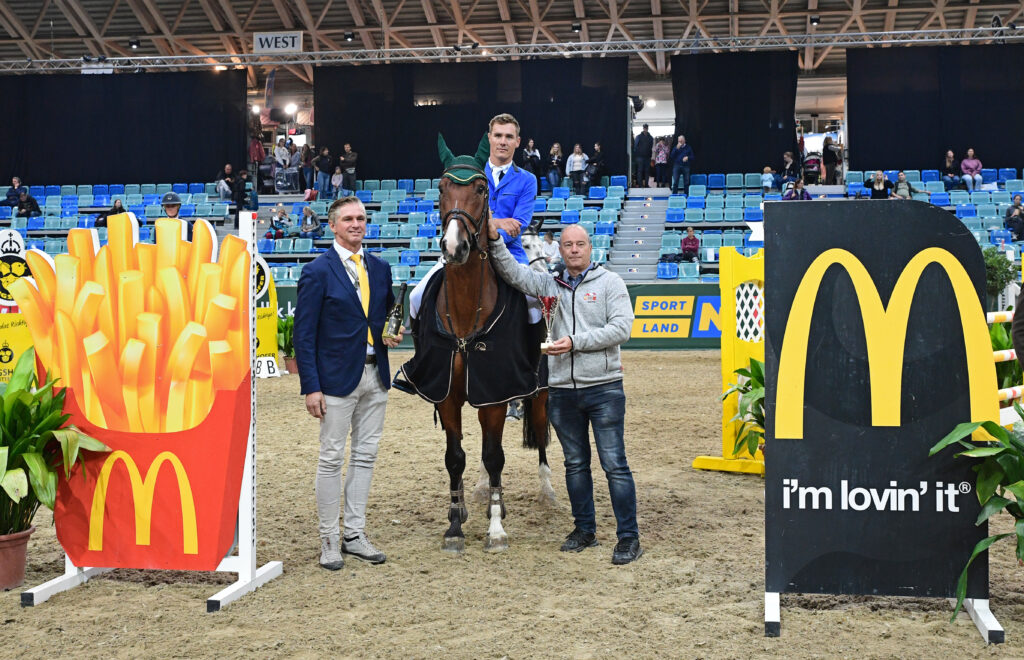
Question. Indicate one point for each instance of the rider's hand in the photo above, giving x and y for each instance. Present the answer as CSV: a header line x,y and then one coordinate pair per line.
x,y
510,226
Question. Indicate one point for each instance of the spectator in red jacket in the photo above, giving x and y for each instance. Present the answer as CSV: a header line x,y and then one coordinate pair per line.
x,y
691,245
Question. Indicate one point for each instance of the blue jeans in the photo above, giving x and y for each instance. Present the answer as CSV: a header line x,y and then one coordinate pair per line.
x,y
603,408
950,181
307,176
323,184
972,181
680,170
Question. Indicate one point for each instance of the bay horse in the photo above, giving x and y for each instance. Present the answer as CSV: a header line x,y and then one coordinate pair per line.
x,y
466,300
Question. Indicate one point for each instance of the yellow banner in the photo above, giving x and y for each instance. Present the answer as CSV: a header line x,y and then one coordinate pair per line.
x,y
663,306
661,328
14,340
266,312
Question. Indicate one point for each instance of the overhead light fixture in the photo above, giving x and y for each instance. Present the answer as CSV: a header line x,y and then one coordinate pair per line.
x,y
133,44
220,67
290,109
576,27
651,103
475,45
255,109
349,36
815,20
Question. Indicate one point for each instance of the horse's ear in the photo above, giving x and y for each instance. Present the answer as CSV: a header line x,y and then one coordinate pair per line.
x,y
483,151
444,152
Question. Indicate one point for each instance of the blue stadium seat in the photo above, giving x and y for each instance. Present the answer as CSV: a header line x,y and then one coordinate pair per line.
x,y
303,245
570,217
855,176
989,175
560,192
427,230
604,228
689,271
1000,237
365,196
1006,173
699,180
408,185
930,175
37,191
598,192
180,188
668,271
693,215
556,204
966,211
892,175
410,257
957,197
715,181
540,205
1015,185
372,230
714,215
397,195
673,215
424,206
753,214
697,190
51,190
618,180
677,201
389,184
196,188
35,224
752,181
406,207
265,245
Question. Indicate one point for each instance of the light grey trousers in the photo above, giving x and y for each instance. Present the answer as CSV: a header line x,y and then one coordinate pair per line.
x,y
362,412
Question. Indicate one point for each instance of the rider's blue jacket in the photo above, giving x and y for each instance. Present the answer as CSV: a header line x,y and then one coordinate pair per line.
x,y
513,197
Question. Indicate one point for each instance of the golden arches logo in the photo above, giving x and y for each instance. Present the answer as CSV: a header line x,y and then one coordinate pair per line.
x,y
142,497
885,331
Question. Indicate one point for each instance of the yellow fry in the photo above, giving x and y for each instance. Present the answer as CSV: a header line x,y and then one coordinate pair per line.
x,y
222,365
122,233
145,255
172,287
99,353
86,309
69,279
149,332
218,316
241,352
69,354
204,242
90,400
107,319
198,395
38,316
230,248
83,243
130,303
131,365
183,251
239,288
42,271
206,285
176,375
168,242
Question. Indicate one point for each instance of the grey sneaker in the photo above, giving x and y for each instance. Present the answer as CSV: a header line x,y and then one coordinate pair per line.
x,y
330,558
360,547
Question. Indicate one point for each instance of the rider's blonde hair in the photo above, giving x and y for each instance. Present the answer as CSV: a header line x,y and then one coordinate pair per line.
x,y
503,118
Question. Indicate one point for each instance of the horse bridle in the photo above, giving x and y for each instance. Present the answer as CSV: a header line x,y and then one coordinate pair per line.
x,y
463,216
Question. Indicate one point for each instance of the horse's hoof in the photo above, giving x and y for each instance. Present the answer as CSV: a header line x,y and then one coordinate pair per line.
x,y
454,544
496,543
547,497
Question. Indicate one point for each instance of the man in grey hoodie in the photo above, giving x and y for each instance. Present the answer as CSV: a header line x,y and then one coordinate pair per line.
x,y
594,316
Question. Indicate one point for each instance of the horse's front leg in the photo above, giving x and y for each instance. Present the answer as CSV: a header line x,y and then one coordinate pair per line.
x,y
455,462
492,422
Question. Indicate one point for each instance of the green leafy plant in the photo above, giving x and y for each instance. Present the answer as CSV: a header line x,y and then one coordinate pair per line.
x,y
34,444
750,388
999,271
999,484
284,335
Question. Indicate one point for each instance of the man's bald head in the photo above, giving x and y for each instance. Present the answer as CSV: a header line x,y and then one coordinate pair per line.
x,y
574,246
574,233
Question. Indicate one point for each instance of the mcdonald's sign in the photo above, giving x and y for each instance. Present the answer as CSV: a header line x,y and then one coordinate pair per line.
x,y
876,346
885,331
142,495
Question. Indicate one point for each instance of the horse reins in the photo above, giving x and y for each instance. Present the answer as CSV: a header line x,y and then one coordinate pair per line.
x,y
463,217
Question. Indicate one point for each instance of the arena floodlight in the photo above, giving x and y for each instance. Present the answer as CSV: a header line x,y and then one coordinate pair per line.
x,y
651,103
255,109
133,44
576,27
815,20
349,36
291,109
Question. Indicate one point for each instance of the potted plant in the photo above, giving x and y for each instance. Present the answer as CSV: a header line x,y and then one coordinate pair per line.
x,y
284,342
34,444
999,272
750,435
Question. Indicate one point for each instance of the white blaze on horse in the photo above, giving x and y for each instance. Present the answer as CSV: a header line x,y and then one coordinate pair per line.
x,y
474,344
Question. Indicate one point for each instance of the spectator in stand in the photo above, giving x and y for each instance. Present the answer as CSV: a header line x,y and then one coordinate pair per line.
x,y
554,165
257,154
643,149
902,189
971,167
281,154
280,223
661,162
790,171
14,192
116,209
950,171
529,158
681,159
831,157
311,227
798,192
28,207
576,167
322,165
306,158
348,167
690,246
596,168
226,182
338,178
551,253
294,157
767,180
1015,218
881,187
171,204
240,192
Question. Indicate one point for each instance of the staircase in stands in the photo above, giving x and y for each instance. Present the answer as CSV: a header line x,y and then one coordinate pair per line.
x,y
637,242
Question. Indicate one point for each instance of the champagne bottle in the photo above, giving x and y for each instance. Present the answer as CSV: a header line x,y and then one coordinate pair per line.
x,y
394,321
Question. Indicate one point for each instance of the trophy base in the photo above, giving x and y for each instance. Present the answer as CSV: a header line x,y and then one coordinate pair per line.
x,y
545,345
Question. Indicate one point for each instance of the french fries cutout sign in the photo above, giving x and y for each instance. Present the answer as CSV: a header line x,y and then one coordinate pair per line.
x,y
152,342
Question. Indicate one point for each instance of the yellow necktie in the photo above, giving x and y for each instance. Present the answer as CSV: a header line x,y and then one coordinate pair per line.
x,y
364,293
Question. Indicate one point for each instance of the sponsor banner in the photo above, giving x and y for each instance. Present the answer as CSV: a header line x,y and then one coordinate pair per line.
x,y
14,340
266,321
667,315
872,356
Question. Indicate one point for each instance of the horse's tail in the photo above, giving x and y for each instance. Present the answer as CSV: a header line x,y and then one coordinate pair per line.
x,y
536,432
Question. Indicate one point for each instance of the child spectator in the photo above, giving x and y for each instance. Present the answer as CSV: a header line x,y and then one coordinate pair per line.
x,y
337,179
767,179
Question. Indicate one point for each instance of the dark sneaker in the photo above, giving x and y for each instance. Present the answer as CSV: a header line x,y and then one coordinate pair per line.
x,y
577,541
627,550
361,548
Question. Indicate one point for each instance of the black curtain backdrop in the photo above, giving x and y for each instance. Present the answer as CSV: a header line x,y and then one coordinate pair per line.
x,y
122,128
385,111
906,106
736,109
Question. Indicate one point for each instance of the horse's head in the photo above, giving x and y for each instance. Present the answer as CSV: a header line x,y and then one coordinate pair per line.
x,y
463,203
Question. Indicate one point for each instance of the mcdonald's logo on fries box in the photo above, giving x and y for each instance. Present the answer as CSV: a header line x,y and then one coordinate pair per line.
x,y
876,348
152,343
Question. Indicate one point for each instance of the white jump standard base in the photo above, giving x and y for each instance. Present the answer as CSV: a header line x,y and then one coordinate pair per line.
x,y
73,576
978,608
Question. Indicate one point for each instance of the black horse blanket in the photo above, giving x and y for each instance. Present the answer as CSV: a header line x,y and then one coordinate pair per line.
x,y
501,359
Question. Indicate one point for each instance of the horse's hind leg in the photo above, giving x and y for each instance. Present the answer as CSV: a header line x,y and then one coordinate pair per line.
x,y
455,461
492,422
536,433
482,489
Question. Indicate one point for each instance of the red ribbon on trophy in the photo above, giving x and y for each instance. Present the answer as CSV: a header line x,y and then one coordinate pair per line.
x,y
549,305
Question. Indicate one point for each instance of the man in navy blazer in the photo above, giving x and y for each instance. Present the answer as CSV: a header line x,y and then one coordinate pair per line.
x,y
344,296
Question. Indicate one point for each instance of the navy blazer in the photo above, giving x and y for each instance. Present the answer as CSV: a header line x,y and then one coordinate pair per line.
x,y
330,326
513,198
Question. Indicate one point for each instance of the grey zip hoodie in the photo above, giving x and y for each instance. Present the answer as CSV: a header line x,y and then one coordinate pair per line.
x,y
597,316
